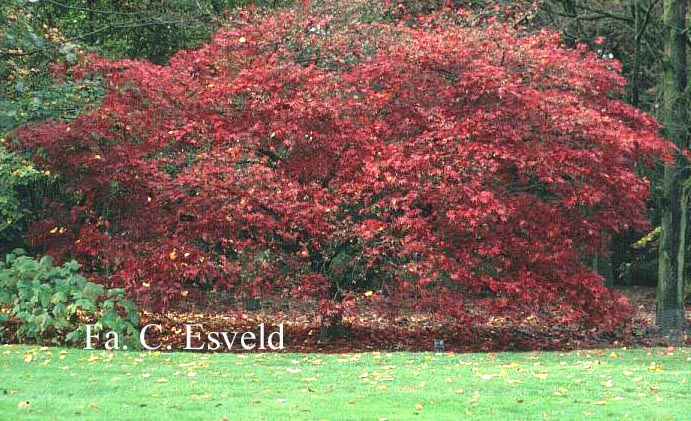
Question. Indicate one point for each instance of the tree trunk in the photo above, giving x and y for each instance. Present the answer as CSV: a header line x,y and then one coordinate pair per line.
x,y
636,68
602,264
670,289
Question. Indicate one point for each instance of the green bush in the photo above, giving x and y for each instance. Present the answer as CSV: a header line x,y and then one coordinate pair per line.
x,y
50,304
17,175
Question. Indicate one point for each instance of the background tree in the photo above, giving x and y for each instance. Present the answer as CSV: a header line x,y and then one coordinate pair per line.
x,y
673,248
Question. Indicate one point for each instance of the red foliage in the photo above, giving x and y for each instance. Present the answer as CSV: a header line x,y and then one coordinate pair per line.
x,y
469,171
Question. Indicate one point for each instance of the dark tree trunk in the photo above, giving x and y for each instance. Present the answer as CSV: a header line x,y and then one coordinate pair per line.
x,y
670,290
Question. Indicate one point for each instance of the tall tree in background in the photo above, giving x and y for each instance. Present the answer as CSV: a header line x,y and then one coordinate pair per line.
x,y
670,290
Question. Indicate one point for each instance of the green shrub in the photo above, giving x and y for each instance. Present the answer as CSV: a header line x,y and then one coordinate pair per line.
x,y
17,175
51,304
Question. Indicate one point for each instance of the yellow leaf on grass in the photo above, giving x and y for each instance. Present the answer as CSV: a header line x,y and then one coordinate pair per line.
x,y
419,406
655,367
541,376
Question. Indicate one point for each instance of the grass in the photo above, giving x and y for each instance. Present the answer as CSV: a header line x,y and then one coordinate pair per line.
x,y
55,383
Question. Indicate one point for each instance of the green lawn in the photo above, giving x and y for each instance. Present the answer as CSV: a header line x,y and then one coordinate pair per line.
x,y
53,383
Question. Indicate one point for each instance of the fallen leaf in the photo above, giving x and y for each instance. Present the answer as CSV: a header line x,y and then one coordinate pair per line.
x,y
541,376
655,367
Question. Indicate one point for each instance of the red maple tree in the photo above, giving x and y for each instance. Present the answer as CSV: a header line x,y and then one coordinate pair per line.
x,y
465,170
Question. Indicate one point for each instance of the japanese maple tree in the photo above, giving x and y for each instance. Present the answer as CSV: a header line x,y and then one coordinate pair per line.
x,y
466,170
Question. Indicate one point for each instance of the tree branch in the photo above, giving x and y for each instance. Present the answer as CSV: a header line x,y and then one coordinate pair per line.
x,y
646,20
88,9
132,24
